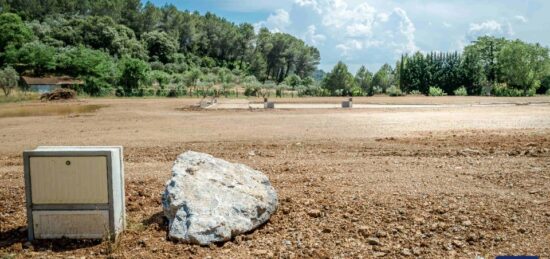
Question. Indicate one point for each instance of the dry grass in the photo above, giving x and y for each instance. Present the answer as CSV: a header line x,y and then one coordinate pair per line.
x,y
48,110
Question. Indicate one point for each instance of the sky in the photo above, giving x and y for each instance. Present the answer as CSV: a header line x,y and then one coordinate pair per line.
x,y
374,32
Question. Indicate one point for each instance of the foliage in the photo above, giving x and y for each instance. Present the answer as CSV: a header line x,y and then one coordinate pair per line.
x,y
133,73
363,79
394,91
505,90
339,81
383,78
13,32
522,65
8,80
461,91
160,45
436,91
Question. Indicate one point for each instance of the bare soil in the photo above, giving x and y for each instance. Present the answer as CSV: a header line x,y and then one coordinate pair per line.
x,y
437,182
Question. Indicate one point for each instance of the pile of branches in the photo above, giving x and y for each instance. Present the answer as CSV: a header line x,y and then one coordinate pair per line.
x,y
59,94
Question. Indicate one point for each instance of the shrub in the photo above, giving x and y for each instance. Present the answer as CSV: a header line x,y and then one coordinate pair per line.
x,y
504,90
461,91
548,92
436,91
415,92
394,91
356,91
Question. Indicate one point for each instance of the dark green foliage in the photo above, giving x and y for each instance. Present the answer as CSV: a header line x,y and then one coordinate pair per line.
x,y
13,31
339,81
133,74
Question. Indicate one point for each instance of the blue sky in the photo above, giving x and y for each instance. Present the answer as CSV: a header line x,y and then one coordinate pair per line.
x,y
374,32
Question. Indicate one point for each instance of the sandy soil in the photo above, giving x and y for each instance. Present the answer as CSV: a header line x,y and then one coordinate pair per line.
x,y
420,182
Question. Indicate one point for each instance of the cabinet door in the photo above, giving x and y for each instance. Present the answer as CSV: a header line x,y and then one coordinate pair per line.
x,y
69,180
71,224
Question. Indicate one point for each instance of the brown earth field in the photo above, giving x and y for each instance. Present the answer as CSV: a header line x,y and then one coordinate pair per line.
x,y
432,182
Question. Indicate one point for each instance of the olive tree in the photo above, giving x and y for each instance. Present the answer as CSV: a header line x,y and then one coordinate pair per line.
x,y
8,80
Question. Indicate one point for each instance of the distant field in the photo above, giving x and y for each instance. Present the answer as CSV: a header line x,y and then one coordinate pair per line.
x,y
438,181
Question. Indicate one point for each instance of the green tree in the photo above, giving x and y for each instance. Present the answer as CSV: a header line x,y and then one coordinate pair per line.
x,y
160,45
8,80
13,31
34,56
383,78
522,65
363,79
134,73
339,80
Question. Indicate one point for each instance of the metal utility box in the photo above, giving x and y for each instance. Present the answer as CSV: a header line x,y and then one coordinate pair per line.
x,y
74,192
269,105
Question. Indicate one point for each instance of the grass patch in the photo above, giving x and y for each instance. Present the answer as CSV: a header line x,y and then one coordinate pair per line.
x,y
18,96
47,110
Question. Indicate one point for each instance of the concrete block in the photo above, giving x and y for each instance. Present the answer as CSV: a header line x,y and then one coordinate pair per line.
x,y
347,104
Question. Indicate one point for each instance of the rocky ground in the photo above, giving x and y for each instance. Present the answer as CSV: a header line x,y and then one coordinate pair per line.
x,y
430,193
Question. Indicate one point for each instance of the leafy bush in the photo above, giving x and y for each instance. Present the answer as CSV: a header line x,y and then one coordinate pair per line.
x,y
504,90
356,91
394,91
548,92
415,92
461,91
436,91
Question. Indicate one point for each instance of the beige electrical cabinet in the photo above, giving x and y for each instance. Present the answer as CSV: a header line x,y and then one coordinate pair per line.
x,y
74,192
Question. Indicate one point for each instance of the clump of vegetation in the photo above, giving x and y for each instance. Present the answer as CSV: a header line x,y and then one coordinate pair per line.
x,y
59,94
505,90
548,92
8,80
394,91
461,91
436,91
415,92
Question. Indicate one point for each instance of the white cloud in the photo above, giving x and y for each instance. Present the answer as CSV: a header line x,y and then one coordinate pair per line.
x,y
312,37
276,22
520,18
447,25
490,26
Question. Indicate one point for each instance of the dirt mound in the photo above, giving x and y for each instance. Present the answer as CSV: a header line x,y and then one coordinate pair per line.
x,y
59,94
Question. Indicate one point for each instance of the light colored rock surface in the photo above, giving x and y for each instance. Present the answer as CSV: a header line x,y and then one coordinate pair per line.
x,y
211,200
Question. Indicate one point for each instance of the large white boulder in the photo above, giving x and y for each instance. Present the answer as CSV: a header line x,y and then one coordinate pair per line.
x,y
211,200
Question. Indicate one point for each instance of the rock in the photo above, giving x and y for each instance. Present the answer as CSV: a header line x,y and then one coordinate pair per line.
x,y
211,200
373,241
381,233
314,213
363,231
466,223
379,254
406,252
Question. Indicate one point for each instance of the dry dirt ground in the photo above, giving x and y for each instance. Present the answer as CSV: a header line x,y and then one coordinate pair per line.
x,y
437,182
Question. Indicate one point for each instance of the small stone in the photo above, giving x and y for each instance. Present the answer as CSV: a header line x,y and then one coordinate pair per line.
x,y
260,252
466,223
381,233
458,243
286,211
314,213
406,252
373,241
363,231
416,251
379,254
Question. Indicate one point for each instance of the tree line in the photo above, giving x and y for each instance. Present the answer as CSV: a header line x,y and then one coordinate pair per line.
x,y
126,46
488,66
